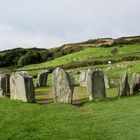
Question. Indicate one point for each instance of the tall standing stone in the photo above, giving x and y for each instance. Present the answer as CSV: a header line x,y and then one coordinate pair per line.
x,y
63,86
83,79
4,84
124,88
42,79
135,84
22,87
95,84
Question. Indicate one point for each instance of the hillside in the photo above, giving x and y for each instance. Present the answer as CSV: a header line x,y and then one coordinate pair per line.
x,y
20,57
90,57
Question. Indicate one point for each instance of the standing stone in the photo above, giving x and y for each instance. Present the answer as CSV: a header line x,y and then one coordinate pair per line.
x,y
22,87
89,83
124,88
135,84
4,84
83,79
63,86
107,82
42,79
95,84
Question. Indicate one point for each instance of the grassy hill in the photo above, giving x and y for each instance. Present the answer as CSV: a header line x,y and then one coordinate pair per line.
x,y
92,54
19,57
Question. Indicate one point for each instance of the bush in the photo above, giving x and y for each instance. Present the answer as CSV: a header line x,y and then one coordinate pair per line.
x,y
31,57
130,58
46,55
114,51
105,45
73,65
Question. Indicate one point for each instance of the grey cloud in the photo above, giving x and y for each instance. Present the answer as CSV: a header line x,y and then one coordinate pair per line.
x,y
49,23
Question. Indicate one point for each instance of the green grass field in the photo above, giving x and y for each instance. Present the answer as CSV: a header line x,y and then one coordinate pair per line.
x,y
94,54
107,120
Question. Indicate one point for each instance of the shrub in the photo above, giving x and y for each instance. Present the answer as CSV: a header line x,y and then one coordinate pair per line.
x,y
114,51
130,58
46,55
31,57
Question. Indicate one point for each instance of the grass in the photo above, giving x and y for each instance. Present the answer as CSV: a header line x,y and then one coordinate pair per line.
x,y
106,120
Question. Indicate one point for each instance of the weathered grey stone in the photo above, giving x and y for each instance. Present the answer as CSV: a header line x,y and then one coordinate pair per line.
x,y
63,86
4,84
22,87
83,79
42,79
89,83
107,82
135,84
124,88
95,84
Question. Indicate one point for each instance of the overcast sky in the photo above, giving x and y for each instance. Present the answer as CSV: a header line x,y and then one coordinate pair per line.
x,y
50,23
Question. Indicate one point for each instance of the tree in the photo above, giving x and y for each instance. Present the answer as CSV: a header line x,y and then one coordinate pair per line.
x,y
31,57
114,51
